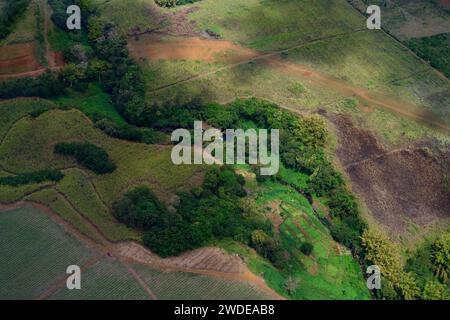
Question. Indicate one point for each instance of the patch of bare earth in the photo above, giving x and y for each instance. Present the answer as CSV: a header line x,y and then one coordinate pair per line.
x,y
155,47
209,258
396,185
18,58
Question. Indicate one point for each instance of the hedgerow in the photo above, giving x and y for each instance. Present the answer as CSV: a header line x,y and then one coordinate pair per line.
x,y
88,155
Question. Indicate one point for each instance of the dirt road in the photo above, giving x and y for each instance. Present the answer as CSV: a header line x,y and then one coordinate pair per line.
x,y
155,47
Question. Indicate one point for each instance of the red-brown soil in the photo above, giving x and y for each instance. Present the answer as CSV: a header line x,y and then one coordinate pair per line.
x,y
155,47
18,58
397,185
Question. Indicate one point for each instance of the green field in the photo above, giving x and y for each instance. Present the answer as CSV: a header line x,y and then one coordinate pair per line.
x,y
326,36
330,272
35,253
94,101
28,146
26,28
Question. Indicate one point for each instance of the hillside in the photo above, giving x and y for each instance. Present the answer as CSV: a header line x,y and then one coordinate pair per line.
x,y
86,153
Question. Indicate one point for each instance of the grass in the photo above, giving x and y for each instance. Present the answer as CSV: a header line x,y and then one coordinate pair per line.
x,y
128,14
13,110
273,25
29,145
329,273
35,253
94,101
343,53
25,29
53,200
76,187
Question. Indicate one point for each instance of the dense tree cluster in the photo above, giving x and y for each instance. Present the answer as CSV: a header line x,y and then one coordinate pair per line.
x,y
9,14
214,211
46,86
382,252
88,155
130,132
32,177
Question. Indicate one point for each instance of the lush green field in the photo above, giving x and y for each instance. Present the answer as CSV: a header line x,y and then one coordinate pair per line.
x,y
330,272
94,101
29,146
274,25
35,253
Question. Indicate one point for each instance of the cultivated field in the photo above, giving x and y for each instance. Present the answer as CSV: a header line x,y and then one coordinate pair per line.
x,y
37,248
330,272
28,146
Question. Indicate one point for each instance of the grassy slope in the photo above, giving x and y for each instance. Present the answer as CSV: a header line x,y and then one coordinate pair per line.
x,y
25,29
369,59
91,102
329,273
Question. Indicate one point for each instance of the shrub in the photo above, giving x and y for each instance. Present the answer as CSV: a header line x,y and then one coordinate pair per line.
x,y
386,255
306,248
440,257
141,209
47,85
434,290
88,155
32,177
131,133
11,11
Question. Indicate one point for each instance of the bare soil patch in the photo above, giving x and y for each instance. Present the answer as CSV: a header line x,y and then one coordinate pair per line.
x,y
398,186
18,58
155,47
209,258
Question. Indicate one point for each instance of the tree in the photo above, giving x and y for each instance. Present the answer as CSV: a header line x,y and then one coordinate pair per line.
x,y
440,257
97,69
434,290
306,248
291,285
386,255
73,74
141,209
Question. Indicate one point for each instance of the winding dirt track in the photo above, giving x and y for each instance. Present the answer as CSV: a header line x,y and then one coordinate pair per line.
x,y
154,47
